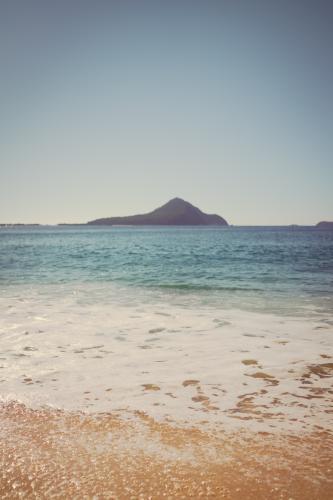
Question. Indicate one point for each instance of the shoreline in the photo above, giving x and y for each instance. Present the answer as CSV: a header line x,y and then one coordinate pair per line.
x,y
162,402
84,351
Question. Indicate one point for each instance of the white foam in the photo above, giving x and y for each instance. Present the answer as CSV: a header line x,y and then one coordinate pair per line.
x,y
94,348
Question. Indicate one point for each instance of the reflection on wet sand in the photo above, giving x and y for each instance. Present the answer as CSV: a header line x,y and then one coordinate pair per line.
x,y
59,454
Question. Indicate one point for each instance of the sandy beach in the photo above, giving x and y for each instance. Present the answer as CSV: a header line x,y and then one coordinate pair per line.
x,y
65,455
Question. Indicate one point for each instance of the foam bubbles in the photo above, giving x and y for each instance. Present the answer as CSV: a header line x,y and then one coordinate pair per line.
x,y
98,348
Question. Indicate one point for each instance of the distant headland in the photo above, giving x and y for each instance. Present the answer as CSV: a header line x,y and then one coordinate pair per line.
x,y
176,212
325,225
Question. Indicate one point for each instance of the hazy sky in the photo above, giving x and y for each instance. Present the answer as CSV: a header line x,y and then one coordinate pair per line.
x,y
114,107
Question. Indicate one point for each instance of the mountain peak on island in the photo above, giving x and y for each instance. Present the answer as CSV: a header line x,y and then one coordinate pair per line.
x,y
176,212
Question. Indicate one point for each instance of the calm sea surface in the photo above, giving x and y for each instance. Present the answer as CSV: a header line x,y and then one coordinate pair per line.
x,y
266,268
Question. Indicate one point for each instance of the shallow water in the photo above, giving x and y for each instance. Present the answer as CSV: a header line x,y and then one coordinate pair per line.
x,y
97,319
99,348
202,330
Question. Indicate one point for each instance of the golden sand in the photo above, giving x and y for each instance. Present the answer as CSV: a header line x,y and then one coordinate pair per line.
x,y
54,454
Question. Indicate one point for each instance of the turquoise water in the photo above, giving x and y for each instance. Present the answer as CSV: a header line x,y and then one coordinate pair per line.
x,y
89,316
265,268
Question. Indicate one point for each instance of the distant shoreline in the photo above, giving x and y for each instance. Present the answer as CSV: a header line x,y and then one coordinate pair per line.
x,y
231,226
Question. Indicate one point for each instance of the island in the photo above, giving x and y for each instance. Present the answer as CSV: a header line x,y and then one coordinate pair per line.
x,y
176,212
325,225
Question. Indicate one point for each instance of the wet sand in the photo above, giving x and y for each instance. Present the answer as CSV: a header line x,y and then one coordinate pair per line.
x,y
57,454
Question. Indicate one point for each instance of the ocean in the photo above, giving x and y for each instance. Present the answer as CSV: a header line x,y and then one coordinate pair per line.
x,y
165,360
87,309
263,268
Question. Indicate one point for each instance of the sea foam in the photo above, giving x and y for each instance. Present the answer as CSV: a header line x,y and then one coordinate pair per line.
x,y
105,348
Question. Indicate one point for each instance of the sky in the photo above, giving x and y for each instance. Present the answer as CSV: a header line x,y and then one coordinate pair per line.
x,y
114,107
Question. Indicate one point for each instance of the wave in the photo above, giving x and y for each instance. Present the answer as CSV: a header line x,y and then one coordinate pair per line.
x,y
203,287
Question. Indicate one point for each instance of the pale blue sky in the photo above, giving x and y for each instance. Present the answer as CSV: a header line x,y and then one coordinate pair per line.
x,y
114,107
